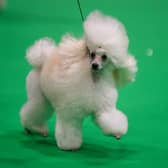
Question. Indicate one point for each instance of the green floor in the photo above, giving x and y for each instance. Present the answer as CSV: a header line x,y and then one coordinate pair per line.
x,y
145,102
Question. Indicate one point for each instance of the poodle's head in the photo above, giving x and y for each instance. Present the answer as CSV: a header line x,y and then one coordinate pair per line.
x,y
106,40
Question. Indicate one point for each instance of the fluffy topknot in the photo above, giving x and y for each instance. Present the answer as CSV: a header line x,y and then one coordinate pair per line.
x,y
106,32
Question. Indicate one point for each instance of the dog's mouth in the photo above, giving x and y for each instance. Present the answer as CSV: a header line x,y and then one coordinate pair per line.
x,y
95,75
96,72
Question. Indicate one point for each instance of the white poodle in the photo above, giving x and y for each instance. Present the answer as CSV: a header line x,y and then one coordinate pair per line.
x,y
79,77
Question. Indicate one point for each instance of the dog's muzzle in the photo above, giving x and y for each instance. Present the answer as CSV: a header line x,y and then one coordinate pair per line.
x,y
95,66
96,63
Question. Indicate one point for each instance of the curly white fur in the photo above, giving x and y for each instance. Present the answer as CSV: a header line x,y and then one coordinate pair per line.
x,y
108,33
37,54
63,76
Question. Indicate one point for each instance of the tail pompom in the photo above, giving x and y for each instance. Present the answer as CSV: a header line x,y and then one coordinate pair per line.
x,y
38,52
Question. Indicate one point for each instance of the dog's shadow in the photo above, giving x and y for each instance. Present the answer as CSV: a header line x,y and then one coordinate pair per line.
x,y
96,152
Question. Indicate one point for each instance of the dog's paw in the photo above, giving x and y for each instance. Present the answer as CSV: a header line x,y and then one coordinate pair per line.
x,y
41,130
27,131
115,124
69,145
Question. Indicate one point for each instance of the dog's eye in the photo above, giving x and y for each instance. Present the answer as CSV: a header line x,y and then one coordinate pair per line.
x,y
92,55
104,57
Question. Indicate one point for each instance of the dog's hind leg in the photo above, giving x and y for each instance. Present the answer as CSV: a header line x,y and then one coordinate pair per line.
x,y
35,112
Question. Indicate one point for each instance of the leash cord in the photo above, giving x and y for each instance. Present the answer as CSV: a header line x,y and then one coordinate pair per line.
x,y
80,10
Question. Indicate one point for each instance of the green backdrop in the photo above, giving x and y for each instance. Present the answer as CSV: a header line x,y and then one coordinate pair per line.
x,y
145,101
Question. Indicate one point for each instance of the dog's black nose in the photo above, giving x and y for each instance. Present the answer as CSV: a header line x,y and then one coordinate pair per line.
x,y
95,66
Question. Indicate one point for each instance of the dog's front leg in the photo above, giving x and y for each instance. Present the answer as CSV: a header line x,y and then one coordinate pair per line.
x,y
112,122
68,133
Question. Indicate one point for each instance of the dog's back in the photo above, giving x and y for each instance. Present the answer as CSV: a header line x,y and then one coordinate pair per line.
x,y
66,77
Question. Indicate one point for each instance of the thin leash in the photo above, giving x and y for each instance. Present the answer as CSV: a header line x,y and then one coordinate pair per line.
x,y
83,19
80,10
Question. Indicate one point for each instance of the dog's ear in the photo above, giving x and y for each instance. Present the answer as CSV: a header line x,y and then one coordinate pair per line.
x,y
120,77
125,74
116,76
